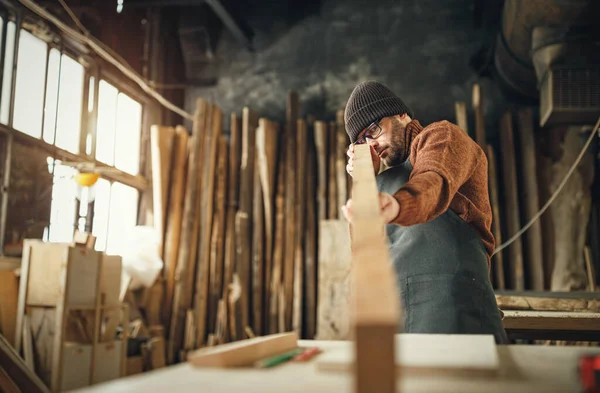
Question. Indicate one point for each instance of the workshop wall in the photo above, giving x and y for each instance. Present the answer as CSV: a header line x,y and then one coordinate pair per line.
x,y
420,48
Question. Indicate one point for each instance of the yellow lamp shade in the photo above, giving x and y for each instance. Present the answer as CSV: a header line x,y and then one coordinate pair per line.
x,y
87,179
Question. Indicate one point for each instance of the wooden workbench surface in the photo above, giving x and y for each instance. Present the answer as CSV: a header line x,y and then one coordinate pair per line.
x,y
522,369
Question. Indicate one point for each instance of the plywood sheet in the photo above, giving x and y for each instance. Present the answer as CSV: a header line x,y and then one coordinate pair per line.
x,y
429,354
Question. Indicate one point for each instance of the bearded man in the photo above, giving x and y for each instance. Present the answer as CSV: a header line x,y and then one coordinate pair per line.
x,y
433,184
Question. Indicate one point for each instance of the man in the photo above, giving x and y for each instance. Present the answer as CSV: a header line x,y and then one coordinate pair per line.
x,y
433,185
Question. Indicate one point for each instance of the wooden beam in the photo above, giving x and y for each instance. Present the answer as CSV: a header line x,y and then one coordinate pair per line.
x,y
161,147
547,304
479,116
375,306
460,111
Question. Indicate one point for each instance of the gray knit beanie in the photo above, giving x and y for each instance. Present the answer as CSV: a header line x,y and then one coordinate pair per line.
x,y
371,101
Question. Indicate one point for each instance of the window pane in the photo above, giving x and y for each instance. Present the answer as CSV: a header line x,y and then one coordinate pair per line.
x,y
101,209
62,211
107,120
129,125
51,96
29,90
122,217
8,67
70,102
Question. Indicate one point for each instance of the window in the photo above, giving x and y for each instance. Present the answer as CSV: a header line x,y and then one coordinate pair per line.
x,y
7,72
64,99
62,212
29,89
118,129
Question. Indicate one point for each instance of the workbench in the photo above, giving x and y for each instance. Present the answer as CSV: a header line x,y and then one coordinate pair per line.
x,y
523,368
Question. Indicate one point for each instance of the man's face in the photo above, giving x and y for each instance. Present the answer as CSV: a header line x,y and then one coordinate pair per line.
x,y
390,144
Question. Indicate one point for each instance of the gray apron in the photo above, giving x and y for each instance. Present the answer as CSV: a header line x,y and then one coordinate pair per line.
x,y
442,272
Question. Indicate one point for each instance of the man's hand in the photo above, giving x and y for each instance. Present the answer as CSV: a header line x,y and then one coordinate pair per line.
x,y
374,157
390,208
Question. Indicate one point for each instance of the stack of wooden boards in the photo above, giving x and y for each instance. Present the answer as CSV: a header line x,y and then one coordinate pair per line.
x,y
239,216
70,317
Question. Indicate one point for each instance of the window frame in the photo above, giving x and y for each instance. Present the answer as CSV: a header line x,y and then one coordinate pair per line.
x,y
93,66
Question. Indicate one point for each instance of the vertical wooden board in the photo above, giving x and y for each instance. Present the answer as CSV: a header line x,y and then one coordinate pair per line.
x,y
515,253
161,150
243,234
84,269
290,208
335,263
530,200
233,200
218,234
497,260
187,244
43,285
110,279
209,164
460,111
311,240
276,285
322,150
479,116
332,199
300,214
341,175
375,305
175,217
108,361
9,295
76,363
258,235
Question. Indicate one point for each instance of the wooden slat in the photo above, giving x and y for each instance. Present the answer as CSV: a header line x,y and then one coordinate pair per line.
x,y
547,304
341,175
530,200
497,259
332,199
218,234
300,214
209,164
375,306
232,198
511,202
258,252
311,240
290,207
188,243
161,148
321,146
243,223
267,140
175,217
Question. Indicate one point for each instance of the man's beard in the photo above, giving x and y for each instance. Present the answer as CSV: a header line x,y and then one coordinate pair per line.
x,y
397,147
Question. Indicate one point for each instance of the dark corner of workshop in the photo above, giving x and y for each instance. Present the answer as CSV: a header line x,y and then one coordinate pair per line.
x,y
373,196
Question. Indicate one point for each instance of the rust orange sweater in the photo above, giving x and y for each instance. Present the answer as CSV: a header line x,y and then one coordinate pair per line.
x,y
450,171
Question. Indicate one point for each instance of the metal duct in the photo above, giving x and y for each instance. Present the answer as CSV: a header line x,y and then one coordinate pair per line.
x,y
512,58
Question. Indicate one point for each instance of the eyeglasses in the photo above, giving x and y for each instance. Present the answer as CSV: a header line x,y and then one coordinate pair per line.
x,y
372,132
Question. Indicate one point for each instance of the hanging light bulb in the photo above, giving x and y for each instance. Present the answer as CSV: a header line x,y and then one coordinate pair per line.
x,y
86,190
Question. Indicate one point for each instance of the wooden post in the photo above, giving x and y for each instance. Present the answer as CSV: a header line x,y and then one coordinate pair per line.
x,y
375,306
479,117
460,110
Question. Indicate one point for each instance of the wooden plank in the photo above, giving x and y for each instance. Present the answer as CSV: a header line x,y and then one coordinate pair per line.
x,y
311,240
589,267
497,260
175,218
161,151
267,140
511,202
375,306
321,146
209,164
23,286
9,298
43,285
233,201
460,111
341,175
530,200
218,234
547,304
243,224
430,354
110,280
19,373
258,253
244,352
332,199
551,320
187,245
300,215
292,109
335,263
479,116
